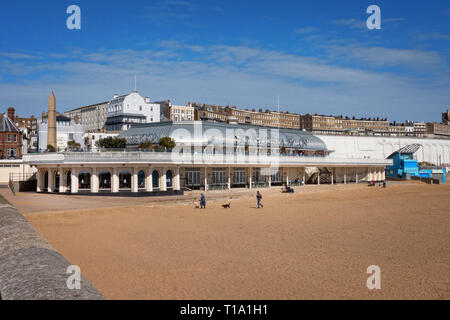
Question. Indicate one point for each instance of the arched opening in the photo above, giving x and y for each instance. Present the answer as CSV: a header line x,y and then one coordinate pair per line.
x,y
125,180
69,180
46,181
141,179
169,179
155,179
84,180
57,181
104,180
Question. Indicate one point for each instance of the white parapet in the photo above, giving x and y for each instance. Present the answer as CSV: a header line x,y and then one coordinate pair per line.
x,y
168,158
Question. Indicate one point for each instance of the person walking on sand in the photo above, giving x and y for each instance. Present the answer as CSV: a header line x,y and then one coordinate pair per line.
x,y
202,202
258,199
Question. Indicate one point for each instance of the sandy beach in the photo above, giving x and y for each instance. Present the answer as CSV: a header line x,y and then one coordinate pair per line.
x,y
314,244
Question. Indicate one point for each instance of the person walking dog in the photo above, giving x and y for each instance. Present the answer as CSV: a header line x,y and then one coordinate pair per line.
x,y
258,199
202,202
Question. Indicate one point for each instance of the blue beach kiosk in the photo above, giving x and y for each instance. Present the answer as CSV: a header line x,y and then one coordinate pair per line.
x,y
404,165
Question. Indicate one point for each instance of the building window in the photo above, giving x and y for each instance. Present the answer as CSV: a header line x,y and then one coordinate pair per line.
x,y
15,138
12,152
70,136
9,138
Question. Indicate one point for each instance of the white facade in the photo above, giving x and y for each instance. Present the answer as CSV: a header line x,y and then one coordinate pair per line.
x,y
122,111
15,169
158,171
92,137
66,130
436,151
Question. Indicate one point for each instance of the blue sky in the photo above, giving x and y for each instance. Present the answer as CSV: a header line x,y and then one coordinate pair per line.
x,y
318,56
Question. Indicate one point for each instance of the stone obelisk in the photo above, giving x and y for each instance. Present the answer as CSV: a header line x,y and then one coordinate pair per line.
x,y
51,118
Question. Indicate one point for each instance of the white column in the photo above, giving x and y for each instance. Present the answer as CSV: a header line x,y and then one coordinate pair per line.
x,y
39,181
250,177
318,176
177,184
51,180
163,180
206,178
62,184
115,181
356,174
345,175
134,180
332,176
383,174
74,180
304,175
94,180
270,178
229,178
149,180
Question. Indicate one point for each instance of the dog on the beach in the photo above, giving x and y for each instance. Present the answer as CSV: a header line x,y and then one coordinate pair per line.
x,y
226,206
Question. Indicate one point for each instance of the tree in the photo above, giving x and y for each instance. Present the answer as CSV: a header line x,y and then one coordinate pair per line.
x,y
112,143
283,150
51,148
167,143
73,145
146,145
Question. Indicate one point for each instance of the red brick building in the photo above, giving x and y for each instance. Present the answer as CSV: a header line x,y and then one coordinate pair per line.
x,y
10,137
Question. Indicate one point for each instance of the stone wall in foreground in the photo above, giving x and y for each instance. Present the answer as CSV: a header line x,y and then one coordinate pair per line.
x,y
30,268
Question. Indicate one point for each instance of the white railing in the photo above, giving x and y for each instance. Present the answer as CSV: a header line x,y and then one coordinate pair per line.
x,y
195,158
43,157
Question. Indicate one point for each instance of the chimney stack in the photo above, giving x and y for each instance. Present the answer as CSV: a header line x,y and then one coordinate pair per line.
x,y
11,111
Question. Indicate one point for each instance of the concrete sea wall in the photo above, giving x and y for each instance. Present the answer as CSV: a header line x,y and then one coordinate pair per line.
x,y
30,268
